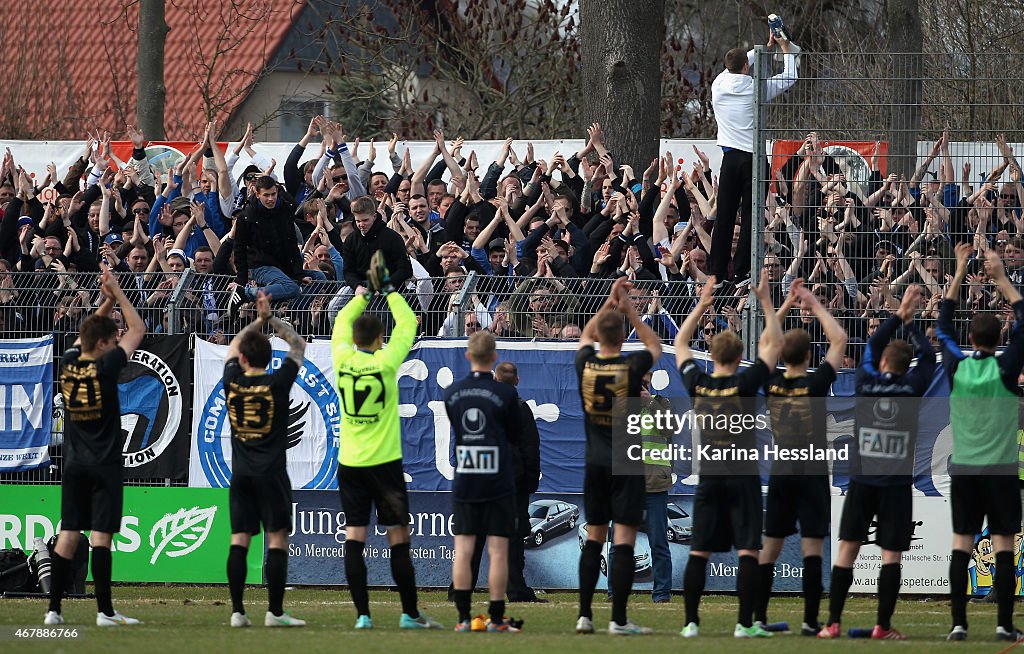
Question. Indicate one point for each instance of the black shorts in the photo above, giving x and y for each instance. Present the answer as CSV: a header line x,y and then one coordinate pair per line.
x,y
973,497
727,513
381,486
92,498
893,507
260,499
797,498
613,498
492,518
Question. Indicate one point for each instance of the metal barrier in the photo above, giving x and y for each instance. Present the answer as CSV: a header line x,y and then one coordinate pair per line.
x,y
863,196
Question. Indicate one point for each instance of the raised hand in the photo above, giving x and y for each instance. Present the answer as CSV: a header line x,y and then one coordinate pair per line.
x,y
263,306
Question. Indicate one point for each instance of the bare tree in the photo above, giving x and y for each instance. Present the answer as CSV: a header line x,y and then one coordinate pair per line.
x,y
479,68
905,36
621,42
151,91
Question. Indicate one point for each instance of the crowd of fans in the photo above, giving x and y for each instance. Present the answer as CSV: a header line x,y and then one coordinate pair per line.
x,y
518,246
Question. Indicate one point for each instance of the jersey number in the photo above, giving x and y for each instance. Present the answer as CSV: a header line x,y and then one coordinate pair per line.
x,y
363,395
602,398
84,393
250,413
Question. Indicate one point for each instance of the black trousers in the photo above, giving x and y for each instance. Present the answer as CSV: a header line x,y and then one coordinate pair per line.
x,y
734,196
517,586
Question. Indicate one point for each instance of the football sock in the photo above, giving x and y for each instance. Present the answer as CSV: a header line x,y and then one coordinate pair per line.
x,y
746,588
236,576
766,575
590,568
59,569
620,580
463,603
496,610
405,578
102,568
693,586
888,590
355,574
842,579
1006,579
812,589
958,564
277,578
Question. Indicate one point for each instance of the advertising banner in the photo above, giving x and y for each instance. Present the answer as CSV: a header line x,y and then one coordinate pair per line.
x,y
167,534
26,398
317,545
155,409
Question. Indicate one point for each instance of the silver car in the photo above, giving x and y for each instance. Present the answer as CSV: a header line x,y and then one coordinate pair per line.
x,y
680,525
550,517
642,562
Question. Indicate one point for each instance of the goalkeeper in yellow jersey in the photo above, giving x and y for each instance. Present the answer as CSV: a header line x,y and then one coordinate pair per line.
x,y
370,453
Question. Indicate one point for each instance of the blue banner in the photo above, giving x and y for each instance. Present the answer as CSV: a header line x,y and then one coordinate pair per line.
x,y
317,546
547,381
26,401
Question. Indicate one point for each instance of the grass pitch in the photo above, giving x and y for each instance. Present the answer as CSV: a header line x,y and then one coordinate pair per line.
x,y
193,620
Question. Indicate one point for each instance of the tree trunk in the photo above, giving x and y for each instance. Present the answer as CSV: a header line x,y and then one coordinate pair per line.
x,y
620,44
149,102
904,36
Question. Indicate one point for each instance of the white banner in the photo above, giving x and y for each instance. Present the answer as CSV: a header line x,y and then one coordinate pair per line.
x,y
925,566
26,402
314,411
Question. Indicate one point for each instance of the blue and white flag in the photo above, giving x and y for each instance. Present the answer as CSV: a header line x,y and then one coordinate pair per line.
x,y
26,399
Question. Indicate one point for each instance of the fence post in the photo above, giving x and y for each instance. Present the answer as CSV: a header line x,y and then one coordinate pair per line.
x,y
173,321
752,309
468,286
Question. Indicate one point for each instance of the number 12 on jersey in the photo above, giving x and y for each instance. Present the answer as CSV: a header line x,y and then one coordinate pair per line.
x,y
362,395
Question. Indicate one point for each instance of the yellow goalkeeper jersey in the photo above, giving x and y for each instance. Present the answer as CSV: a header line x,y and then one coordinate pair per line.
x,y
368,385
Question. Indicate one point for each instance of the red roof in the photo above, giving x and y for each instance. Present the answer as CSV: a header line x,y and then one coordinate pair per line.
x,y
69,67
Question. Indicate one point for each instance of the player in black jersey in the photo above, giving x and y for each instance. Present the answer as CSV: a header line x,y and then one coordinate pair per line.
x,y
799,490
882,463
261,492
604,377
484,414
727,508
91,488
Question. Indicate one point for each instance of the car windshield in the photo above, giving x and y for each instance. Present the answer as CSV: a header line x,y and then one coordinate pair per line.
x,y
675,513
539,512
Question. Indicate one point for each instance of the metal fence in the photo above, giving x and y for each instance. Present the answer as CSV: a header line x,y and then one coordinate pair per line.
x,y
861,198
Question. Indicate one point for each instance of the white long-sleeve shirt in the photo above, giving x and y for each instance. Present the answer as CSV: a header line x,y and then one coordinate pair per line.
x,y
732,96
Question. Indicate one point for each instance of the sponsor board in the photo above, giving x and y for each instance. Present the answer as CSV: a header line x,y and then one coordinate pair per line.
x,y
167,534
317,545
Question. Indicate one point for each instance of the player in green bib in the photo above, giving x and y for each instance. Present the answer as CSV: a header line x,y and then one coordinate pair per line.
x,y
370,449
983,467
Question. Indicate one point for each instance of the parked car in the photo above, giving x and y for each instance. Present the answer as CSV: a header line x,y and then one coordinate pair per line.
x,y
680,524
549,518
641,551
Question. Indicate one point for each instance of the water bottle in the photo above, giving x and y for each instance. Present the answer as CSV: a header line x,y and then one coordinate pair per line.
x,y
859,632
